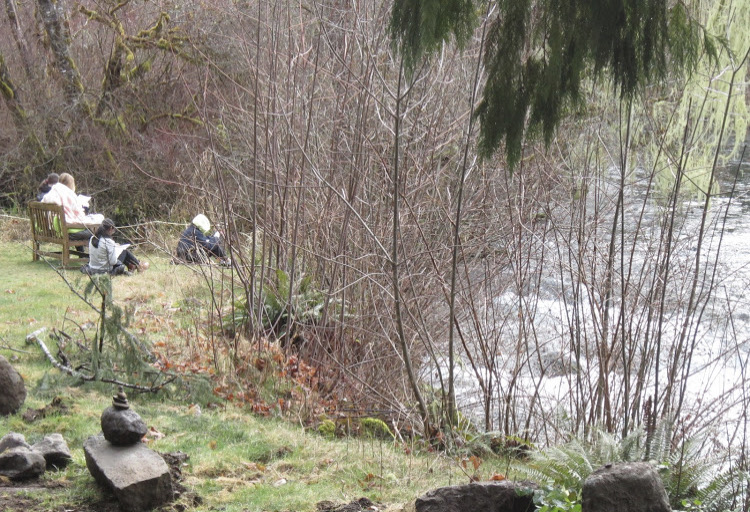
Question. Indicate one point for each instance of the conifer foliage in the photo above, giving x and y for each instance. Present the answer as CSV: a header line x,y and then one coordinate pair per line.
x,y
538,53
420,27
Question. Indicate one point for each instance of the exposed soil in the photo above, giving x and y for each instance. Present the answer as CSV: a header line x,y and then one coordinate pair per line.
x,y
30,496
360,505
55,407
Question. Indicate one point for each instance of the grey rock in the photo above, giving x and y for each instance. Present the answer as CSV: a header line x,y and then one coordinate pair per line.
x,y
626,487
137,475
556,364
20,463
14,390
501,496
13,440
55,451
122,427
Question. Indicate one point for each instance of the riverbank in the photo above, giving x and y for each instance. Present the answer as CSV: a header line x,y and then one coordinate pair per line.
x,y
237,461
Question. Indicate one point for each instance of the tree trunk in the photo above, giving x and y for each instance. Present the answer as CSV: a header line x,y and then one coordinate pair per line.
x,y
394,266
23,50
10,95
56,26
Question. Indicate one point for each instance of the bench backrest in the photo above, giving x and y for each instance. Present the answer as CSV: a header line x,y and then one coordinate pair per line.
x,y
47,222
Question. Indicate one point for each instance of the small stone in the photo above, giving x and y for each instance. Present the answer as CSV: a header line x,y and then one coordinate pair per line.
x,y
120,400
122,427
55,451
14,390
13,440
20,463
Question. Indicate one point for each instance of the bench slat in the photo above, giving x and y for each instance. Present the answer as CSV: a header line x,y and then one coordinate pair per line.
x,y
45,230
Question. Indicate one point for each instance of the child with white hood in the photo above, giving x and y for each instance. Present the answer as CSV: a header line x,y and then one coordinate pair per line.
x,y
196,245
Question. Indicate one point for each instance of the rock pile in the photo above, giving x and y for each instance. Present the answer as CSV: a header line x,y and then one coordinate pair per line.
x,y
116,458
21,461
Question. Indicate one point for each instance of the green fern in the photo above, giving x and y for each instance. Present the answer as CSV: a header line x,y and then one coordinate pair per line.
x,y
727,491
693,480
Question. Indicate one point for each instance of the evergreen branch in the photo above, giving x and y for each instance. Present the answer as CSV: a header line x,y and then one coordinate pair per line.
x,y
34,337
131,337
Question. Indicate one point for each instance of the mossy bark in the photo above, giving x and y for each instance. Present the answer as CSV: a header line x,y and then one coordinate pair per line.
x,y
56,25
112,76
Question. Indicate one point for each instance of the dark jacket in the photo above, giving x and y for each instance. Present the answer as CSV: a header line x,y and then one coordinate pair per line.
x,y
43,189
195,247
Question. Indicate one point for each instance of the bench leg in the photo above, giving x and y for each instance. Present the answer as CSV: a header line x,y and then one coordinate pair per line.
x,y
65,255
34,250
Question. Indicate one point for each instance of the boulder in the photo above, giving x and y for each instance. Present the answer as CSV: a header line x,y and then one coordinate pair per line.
x,y
21,463
556,363
137,475
13,440
55,451
626,487
503,496
122,427
14,390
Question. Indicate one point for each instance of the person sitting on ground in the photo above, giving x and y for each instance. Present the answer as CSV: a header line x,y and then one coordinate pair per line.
x,y
63,193
47,184
196,246
107,256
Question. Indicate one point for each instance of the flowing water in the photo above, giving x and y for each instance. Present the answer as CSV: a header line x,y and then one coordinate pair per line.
x,y
546,380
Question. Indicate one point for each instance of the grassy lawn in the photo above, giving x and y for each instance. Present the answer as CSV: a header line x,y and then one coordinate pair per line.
x,y
238,461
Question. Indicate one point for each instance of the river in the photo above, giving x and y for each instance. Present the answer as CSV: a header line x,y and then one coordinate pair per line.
x,y
547,365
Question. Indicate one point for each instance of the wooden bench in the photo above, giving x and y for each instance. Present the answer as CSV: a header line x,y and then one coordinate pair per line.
x,y
48,226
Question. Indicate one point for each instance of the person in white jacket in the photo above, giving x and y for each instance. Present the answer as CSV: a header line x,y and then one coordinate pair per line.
x,y
107,256
63,193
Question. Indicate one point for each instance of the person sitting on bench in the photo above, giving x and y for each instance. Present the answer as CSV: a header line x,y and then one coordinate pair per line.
x,y
47,184
63,193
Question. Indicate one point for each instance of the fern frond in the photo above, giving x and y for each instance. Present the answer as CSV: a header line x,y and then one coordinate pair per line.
x,y
726,491
523,471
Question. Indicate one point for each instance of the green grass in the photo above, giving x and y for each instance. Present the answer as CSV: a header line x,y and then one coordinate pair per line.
x,y
238,461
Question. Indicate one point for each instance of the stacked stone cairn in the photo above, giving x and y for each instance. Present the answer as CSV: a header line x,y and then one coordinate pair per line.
x,y
119,461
